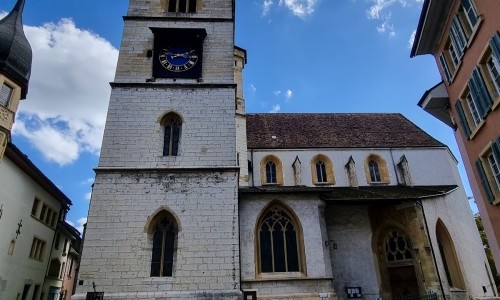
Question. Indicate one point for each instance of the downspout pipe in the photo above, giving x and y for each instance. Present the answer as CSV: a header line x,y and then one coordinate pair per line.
x,y
419,203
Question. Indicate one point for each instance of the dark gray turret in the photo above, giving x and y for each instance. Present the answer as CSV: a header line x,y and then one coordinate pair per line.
x,y
15,50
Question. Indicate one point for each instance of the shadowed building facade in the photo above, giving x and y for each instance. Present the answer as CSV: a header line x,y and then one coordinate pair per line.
x,y
464,38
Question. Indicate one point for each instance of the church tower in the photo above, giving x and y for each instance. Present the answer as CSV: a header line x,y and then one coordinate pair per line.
x,y
163,218
15,70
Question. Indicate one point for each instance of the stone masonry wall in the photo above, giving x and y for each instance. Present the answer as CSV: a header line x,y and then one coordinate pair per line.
x,y
134,136
206,9
117,251
135,66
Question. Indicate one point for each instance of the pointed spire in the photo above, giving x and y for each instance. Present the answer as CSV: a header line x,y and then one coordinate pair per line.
x,y
15,50
19,7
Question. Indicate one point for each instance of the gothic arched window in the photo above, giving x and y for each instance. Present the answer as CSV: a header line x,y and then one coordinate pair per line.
x,y
397,247
172,125
271,170
322,170
278,242
164,235
374,171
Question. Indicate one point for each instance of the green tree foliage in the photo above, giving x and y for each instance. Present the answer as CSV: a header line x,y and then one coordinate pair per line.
x,y
486,245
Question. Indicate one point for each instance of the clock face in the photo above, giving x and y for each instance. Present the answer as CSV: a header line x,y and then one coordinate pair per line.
x,y
178,59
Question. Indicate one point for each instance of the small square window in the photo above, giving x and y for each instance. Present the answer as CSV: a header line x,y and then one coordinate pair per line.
x,y
5,94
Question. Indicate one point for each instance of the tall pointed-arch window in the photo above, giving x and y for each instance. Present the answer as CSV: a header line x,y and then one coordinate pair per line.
x,y
322,170
271,171
172,125
449,257
374,171
279,249
164,236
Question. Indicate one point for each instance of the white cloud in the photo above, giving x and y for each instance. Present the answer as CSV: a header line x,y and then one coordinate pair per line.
x,y
300,8
78,225
253,88
276,108
277,93
65,111
266,6
288,94
380,10
412,39
386,26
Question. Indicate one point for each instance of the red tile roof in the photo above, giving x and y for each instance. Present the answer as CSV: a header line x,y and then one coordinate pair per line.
x,y
364,130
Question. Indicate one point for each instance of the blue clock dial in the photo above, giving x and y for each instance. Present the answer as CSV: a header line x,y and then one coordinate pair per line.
x,y
178,59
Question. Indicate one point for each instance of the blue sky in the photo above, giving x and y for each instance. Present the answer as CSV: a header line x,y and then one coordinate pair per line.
x,y
303,56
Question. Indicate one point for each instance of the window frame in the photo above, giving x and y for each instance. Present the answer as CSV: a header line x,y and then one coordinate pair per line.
x,y
382,168
494,165
327,171
263,170
153,223
293,219
466,12
489,177
493,64
172,133
473,110
174,6
37,250
10,92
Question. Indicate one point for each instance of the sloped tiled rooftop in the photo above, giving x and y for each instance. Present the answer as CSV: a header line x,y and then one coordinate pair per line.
x,y
335,130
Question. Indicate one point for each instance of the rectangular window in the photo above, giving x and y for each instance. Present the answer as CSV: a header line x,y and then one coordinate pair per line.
x,y
494,70
5,94
445,68
35,292
57,241
470,12
37,249
181,6
473,109
495,169
43,212
34,209
488,167
457,36
454,55
26,290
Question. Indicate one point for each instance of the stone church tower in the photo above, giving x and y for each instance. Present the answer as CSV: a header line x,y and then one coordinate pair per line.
x,y
15,70
163,219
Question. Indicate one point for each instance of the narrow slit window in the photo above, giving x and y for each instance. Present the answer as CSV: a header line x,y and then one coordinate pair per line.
x,y
172,135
